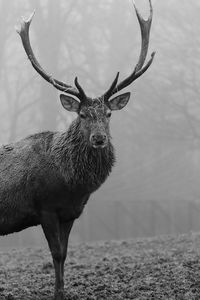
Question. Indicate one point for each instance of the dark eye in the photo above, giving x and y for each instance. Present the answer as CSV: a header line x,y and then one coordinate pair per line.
x,y
108,115
82,115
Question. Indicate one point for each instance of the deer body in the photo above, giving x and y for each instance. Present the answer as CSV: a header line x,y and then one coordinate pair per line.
x,y
53,172
48,177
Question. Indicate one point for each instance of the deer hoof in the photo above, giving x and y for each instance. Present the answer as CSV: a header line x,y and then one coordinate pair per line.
x,y
59,295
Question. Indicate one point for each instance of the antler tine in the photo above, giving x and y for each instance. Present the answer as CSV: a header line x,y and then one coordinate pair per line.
x,y
108,93
129,79
23,31
145,26
80,89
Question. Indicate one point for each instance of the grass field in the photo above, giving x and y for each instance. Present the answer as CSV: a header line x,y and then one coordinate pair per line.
x,y
166,267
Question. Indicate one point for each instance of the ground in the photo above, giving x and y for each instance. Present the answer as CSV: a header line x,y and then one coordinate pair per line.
x,y
166,267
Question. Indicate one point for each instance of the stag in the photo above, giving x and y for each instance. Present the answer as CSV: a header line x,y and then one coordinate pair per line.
x,y
47,178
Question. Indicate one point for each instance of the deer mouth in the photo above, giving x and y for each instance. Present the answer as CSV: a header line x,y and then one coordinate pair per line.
x,y
99,145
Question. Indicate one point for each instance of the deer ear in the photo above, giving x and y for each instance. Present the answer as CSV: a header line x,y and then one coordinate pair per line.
x,y
69,103
119,102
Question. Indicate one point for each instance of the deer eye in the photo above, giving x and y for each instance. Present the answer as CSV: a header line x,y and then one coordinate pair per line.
x,y
108,115
82,115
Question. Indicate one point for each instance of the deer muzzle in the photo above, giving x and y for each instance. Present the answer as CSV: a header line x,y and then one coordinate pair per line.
x,y
98,140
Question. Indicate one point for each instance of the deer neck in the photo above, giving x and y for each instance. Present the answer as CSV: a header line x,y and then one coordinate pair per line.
x,y
80,163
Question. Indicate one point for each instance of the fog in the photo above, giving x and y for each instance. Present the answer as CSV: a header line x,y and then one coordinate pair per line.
x,y
154,188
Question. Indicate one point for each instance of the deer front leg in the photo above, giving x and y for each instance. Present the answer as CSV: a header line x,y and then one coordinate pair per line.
x,y
65,229
57,235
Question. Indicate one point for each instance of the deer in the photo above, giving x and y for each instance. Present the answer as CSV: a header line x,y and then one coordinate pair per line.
x,y
47,178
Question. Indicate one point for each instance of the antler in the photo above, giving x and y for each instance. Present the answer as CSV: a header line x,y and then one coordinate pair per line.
x,y
140,68
23,31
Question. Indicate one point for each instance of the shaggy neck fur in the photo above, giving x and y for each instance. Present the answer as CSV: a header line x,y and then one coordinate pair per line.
x,y
79,162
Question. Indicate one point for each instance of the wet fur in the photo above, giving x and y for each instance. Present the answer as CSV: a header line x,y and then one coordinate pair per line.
x,y
49,171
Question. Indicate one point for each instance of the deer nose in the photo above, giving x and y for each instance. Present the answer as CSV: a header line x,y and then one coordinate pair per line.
x,y
98,140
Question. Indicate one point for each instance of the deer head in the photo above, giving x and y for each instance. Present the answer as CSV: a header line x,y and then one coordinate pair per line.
x,y
94,114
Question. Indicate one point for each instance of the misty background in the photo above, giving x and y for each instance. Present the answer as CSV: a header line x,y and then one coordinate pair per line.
x,y
155,185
